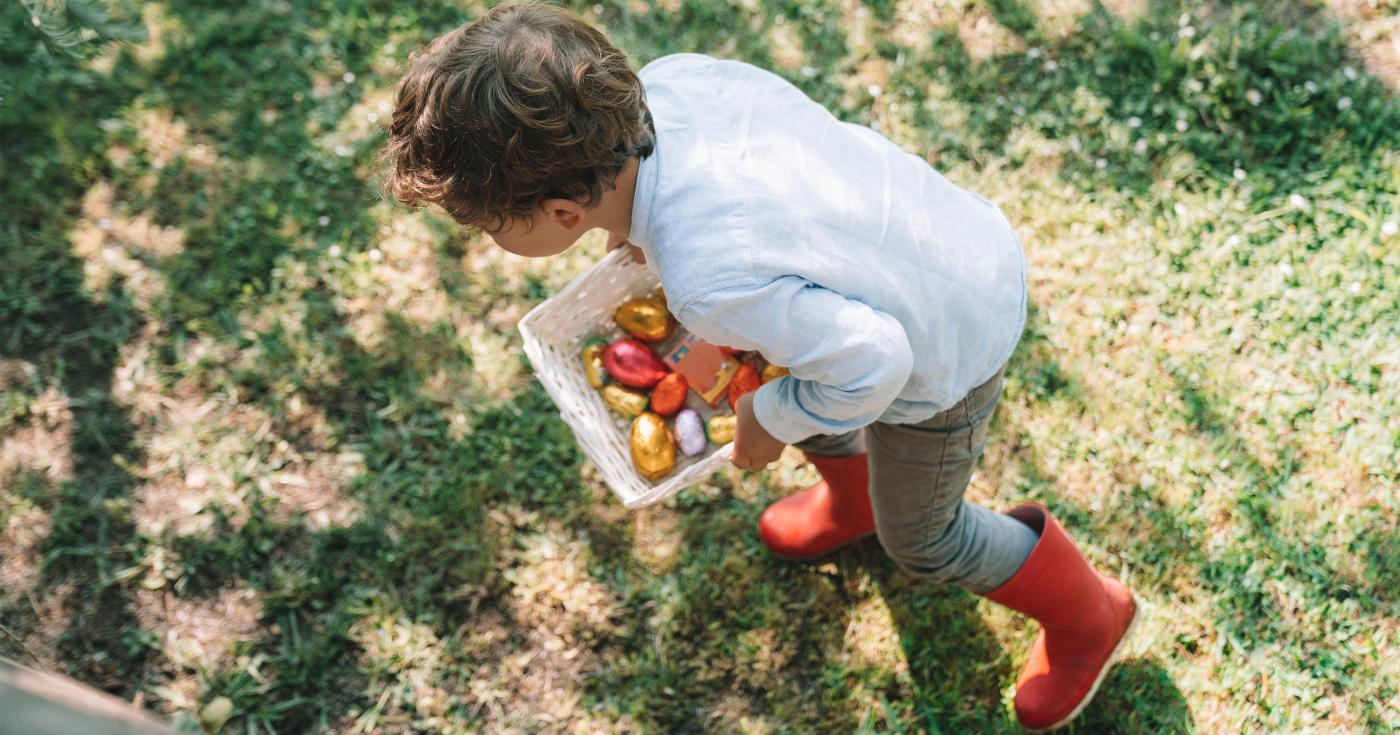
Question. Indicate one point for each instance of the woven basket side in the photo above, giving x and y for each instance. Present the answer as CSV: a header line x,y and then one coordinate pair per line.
x,y
554,333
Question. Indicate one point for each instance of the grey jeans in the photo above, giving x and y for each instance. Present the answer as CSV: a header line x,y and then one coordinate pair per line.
x,y
918,474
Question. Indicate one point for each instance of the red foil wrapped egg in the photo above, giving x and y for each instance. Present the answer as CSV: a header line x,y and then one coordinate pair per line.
x,y
631,363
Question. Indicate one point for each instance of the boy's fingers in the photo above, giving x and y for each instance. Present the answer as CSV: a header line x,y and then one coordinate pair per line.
x,y
615,242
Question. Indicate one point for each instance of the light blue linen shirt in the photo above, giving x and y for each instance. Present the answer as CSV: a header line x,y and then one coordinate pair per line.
x,y
886,290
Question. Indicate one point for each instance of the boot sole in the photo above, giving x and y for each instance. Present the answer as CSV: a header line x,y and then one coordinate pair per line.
x,y
1103,673
820,555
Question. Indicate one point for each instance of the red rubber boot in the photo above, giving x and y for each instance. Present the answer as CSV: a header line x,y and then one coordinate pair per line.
x,y
1084,618
825,516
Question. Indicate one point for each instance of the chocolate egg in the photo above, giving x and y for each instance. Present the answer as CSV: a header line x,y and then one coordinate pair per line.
x,y
772,372
690,432
745,381
653,448
720,428
632,364
668,396
645,318
627,402
593,368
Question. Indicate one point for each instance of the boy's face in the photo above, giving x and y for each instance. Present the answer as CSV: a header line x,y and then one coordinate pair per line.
x,y
558,227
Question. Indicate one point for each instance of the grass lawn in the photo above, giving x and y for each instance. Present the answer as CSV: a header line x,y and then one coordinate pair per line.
x,y
264,436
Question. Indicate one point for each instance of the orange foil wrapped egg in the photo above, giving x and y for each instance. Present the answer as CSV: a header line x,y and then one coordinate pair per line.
x,y
653,448
746,380
772,372
668,396
645,318
631,363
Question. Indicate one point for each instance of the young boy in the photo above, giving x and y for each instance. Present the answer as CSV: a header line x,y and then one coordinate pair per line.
x,y
894,297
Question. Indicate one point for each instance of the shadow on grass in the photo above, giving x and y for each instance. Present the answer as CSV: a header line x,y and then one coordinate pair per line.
x,y
72,338
1118,706
1250,578
728,634
89,546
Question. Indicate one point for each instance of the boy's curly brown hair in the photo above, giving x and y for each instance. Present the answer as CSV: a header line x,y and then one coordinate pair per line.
x,y
525,104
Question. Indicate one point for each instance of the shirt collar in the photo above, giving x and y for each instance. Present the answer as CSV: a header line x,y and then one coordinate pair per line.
x,y
642,197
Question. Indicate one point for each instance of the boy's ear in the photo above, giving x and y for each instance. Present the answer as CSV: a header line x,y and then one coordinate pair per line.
x,y
564,212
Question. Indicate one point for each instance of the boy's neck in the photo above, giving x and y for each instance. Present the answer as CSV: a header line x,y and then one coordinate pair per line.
x,y
614,212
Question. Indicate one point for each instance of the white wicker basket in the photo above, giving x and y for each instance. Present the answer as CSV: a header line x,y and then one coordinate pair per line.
x,y
554,334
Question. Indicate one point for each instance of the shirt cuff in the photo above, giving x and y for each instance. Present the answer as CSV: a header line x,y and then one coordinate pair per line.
x,y
774,417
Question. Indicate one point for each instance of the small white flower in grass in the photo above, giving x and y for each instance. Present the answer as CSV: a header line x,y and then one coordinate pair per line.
x,y
1100,163
1355,287
342,150
375,255
808,71
1240,174
1286,270
1134,122
1184,20
874,90
323,220
1298,201
598,9
1195,85
104,224
1182,126
1253,97
1349,73
1232,241
1033,52
1051,65
1310,86
371,117
1344,104
333,251
349,77
1390,227
1140,147
1188,32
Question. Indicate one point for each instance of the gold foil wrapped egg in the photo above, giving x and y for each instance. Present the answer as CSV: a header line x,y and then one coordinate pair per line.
x,y
772,372
625,401
593,363
653,448
720,428
645,318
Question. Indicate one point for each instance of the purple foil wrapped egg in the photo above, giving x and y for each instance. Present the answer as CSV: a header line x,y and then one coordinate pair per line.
x,y
690,432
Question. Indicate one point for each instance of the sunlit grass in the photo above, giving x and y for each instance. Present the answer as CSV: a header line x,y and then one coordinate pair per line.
x,y
266,436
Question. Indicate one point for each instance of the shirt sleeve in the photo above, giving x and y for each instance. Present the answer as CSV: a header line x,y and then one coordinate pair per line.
x,y
848,362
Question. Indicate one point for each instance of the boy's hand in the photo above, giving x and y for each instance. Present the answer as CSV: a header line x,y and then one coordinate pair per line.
x,y
754,447
615,242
